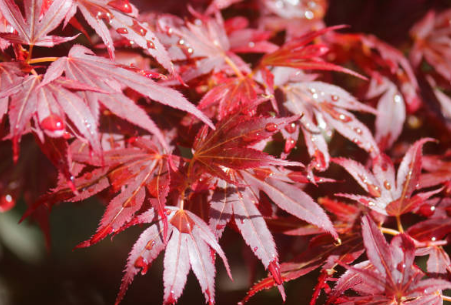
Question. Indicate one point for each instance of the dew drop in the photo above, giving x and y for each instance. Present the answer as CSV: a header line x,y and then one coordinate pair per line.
x,y
121,5
150,44
122,31
371,203
397,98
271,127
171,298
251,44
291,128
320,160
387,185
357,130
315,95
357,141
289,145
255,249
373,190
309,15
181,42
138,28
103,14
150,245
190,50
427,210
433,239
53,123
344,118
334,98
7,202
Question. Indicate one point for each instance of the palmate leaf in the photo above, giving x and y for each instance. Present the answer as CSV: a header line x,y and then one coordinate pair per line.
x,y
121,16
297,53
140,172
189,246
430,35
389,196
328,106
227,147
50,104
241,203
292,200
391,111
32,29
321,252
231,95
82,65
205,42
390,273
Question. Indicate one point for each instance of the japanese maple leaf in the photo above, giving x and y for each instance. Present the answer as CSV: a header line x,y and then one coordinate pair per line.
x,y
140,172
230,145
438,170
32,29
297,53
391,110
232,95
326,107
82,65
244,39
49,104
389,276
376,57
242,203
205,42
431,35
121,16
390,196
189,246
321,252
9,74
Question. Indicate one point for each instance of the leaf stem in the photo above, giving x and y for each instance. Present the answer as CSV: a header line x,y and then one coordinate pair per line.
x,y
234,67
446,298
42,59
389,231
30,51
398,222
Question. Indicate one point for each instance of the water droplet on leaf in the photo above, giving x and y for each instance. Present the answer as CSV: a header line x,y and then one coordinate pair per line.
x,y
122,31
121,5
271,127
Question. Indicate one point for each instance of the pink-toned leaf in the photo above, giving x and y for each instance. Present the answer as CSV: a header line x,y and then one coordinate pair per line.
x,y
32,29
377,248
221,207
410,169
202,264
176,266
361,175
430,229
292,200
391,113
298,54
253,228
144,252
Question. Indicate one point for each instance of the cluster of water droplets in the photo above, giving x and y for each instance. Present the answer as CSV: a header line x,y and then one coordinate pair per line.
x,y
307,10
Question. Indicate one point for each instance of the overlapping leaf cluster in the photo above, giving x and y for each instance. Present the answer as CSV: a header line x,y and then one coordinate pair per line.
x,y
263,128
